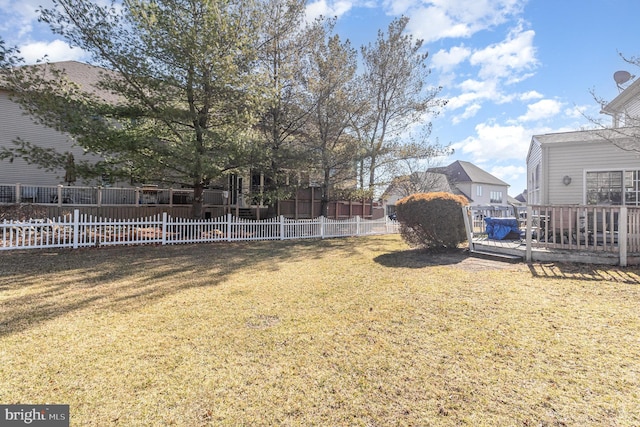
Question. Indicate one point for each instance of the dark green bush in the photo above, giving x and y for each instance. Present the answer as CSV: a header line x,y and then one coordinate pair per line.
x,y
432,220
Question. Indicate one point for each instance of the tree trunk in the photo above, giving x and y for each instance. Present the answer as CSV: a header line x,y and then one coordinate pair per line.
x,y
198,191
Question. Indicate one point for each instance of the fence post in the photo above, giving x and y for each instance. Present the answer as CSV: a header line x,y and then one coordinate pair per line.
x,y
622,235
18,200
99,196
164,228
59,195
321,219
76,227
281,227
358,224
229,217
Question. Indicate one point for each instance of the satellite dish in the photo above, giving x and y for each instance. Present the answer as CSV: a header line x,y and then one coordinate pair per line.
x,y
622,77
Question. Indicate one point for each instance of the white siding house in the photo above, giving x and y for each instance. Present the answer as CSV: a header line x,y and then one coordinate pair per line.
x,y
600,166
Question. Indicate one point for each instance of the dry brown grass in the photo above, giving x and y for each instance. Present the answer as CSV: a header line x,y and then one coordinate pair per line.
x,y
361,332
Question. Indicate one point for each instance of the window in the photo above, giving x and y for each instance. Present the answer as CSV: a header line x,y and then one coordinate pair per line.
x,y
632,188
605,188
496,197
478,190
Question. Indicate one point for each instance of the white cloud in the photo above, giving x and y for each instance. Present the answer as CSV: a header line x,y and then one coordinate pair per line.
x,y
438,19
56,50
509,173
494,142
328,9
431,24
528,96
469,112
447,60
475,92
540,110
514,55
19,17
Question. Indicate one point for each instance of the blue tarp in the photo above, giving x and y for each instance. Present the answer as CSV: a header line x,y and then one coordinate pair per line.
x,y
499,228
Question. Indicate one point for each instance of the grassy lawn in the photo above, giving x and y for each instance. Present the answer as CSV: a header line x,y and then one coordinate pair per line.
x,y
342,332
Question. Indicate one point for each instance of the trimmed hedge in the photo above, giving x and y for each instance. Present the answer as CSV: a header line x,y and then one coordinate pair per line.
x,y
432,220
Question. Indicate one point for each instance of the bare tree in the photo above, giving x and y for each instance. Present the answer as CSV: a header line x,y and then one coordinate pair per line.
x,y
284,44
394,84
330,70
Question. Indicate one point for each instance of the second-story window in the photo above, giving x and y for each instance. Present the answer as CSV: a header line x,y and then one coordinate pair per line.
x,y
496,197
478,190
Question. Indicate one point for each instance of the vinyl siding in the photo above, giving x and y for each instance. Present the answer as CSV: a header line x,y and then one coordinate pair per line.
x,y
14,123
574,160
534,159
632,109
484,200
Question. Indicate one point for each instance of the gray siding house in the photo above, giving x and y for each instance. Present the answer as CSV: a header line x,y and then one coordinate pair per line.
x,y
483,190
592,167
15,123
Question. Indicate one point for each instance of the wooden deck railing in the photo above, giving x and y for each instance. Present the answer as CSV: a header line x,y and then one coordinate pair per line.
x,y
585,228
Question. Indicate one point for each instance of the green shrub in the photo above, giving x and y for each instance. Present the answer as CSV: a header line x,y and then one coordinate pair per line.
x,y
432,220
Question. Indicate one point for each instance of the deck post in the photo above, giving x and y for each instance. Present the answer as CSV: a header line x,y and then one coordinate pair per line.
x,y
468,225
529,233
622,235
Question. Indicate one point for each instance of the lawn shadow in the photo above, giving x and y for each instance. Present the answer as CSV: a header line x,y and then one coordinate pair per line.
x,y
586,272
420,258
42,285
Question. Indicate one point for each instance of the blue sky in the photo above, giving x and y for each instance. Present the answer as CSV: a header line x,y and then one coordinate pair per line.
x,y
509,68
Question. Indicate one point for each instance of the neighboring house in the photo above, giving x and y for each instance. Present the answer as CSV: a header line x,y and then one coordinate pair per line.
x,y
599,166
14,123
483,190
417,182
522,198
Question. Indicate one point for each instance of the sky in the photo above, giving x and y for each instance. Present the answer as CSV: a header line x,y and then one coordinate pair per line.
x,y
510,69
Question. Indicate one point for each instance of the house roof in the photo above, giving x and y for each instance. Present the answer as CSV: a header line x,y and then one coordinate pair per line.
x,y
84,75
623,137
618,103
433,180
461,171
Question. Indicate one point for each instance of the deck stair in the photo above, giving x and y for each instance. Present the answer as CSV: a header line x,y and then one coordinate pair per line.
x,y
496,256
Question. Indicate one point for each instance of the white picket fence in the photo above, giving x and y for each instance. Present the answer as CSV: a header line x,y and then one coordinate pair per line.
x,y
77,231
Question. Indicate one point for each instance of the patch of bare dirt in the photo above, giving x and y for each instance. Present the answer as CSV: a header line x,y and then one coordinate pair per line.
x,y
22,212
